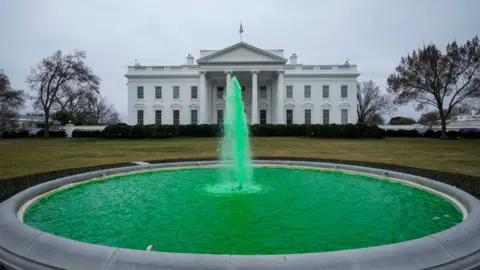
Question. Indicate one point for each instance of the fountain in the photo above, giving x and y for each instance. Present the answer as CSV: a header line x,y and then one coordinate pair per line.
x,y
235,145
262,214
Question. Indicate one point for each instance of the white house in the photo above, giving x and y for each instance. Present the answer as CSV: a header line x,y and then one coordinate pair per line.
x,y
274,91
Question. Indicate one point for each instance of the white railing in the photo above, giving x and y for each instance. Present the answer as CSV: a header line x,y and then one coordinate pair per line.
x,y
69,128
456,126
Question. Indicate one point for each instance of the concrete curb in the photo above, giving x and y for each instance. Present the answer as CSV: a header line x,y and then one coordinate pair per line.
x,y
24,247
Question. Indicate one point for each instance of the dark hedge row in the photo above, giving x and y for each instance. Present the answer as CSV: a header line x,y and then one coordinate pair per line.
x,y
25,134
432,134
52,134
87,134
15,134
170,131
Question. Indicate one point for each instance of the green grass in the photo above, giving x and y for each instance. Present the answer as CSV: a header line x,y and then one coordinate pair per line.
x,y
28,156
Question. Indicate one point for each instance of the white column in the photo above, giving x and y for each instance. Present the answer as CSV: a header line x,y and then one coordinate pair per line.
x,y
203,113
279,96
228,85
254,98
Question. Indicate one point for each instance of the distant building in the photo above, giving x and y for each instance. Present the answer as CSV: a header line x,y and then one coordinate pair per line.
x,y
28,122
274,91
466,119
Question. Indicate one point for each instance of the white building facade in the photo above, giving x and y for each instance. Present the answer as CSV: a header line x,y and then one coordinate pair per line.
x,y
274,91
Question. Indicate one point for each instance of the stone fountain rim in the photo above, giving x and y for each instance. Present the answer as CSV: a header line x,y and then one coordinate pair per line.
x,y
24,247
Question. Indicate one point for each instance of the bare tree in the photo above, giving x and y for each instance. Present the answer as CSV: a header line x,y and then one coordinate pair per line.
x,y
429,119
11,101
48,77
463,108
429,77
74,98
100,112
371,102
377,119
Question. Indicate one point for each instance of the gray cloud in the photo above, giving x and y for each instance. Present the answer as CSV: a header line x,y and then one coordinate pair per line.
x,y
373,34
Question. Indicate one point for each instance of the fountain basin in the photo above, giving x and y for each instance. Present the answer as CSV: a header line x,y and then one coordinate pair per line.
x,y
24,247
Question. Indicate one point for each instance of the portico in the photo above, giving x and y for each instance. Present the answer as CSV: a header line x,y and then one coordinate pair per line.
x,y
252,67
258,91
272,90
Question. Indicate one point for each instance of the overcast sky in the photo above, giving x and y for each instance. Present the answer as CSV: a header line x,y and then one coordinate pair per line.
x,y
372,34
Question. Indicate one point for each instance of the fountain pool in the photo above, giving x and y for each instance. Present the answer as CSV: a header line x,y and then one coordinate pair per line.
x,y
288,210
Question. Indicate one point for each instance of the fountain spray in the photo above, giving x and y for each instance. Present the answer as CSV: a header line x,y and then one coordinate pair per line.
x,y
235,148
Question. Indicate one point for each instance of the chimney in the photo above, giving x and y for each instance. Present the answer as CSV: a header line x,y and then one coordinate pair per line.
x,y
293,59
190,60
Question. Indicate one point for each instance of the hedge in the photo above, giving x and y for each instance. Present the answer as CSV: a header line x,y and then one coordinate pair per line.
x,y
87,134
52,134
15,134
268,130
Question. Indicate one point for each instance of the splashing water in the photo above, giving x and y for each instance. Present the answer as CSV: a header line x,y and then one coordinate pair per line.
x,y
235,146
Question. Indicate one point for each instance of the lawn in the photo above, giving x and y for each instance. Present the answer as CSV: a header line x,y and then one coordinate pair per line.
x,y
28,156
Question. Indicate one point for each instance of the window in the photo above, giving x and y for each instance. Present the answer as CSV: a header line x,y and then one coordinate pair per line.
x,y
140,117
325,92
263,117
344,116
139,92
194,117
194,92
326,117
176,92
158,117
263,92
220,117
344,91
158,92
289,91
308,91
308,117
176,117
219,92
289,117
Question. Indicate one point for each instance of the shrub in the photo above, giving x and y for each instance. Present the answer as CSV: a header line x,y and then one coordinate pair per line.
x,y
336,131
137,132
402,133
15,134
117,131
362,130
469,134
87,134
267,130
452,134
5,135
203,130
348,131
52,134
165,131
432,134
149,130
375,132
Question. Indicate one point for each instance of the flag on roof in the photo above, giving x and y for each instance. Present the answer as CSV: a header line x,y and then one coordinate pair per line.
x,y
241,28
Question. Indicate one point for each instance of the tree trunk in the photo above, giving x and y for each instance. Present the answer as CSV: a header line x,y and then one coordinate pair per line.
x,y
444,128
46,128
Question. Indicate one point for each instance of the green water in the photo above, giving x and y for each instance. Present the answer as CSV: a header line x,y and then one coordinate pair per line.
x,y
286,211
235,144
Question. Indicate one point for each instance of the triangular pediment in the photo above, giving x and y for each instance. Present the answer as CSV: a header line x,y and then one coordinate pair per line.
x,y
241,53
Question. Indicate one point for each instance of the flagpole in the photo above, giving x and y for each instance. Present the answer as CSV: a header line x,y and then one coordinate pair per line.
x,y
241,31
